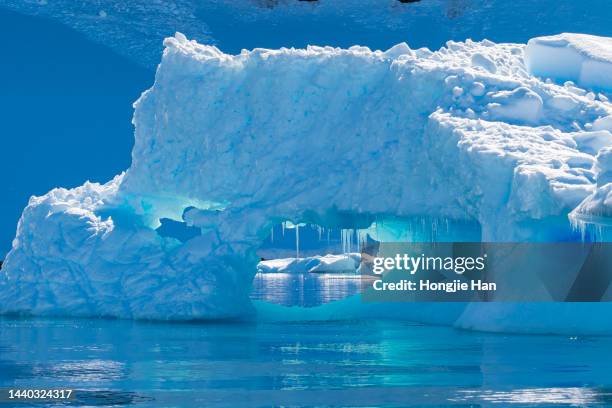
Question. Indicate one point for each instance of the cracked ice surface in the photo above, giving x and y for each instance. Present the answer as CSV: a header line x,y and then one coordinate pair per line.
x,y
233,144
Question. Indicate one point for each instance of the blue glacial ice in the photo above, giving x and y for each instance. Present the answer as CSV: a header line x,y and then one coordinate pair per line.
x,y
468,135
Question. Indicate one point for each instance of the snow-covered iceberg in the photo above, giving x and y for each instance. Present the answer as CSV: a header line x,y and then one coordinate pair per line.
x,y
233,144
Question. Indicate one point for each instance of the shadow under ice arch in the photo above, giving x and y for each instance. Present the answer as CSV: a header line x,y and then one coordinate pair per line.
x,y
231,145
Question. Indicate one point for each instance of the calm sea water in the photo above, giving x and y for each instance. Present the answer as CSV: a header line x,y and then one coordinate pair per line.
x,y
304,289
348,363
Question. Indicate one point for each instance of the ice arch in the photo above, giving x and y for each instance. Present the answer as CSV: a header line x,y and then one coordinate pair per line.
x,y
233,144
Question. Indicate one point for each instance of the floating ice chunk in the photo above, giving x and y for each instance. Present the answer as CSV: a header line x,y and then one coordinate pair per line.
x,y
584,59
317,264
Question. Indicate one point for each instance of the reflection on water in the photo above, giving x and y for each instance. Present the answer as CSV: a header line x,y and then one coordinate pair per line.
x,y
304,289
573,396
371,363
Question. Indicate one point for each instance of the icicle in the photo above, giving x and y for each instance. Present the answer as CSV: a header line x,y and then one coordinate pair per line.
x,y
347,236
272,234
348,240
361,239
297,240
345,246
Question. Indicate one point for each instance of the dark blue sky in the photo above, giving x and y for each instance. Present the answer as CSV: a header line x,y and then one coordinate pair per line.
x,y
65,112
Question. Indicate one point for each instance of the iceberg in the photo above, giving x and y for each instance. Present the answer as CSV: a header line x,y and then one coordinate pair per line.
x,y
347,263
232,145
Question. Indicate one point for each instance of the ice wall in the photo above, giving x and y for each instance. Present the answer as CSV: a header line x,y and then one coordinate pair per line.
x,y
77,253
338,137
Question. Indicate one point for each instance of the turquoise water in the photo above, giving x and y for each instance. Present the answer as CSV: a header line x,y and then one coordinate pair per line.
x,y
348,363
305,290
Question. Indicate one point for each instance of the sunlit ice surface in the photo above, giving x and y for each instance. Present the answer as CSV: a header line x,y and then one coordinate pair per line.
x,y
233,364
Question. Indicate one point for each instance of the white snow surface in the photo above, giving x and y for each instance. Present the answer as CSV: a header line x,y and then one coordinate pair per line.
x,y
582,58
233,144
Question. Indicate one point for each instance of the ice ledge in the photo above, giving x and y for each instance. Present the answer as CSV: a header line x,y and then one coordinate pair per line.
x,y
584,59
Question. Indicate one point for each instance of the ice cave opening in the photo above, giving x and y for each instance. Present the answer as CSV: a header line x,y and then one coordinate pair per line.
x,y
308,264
